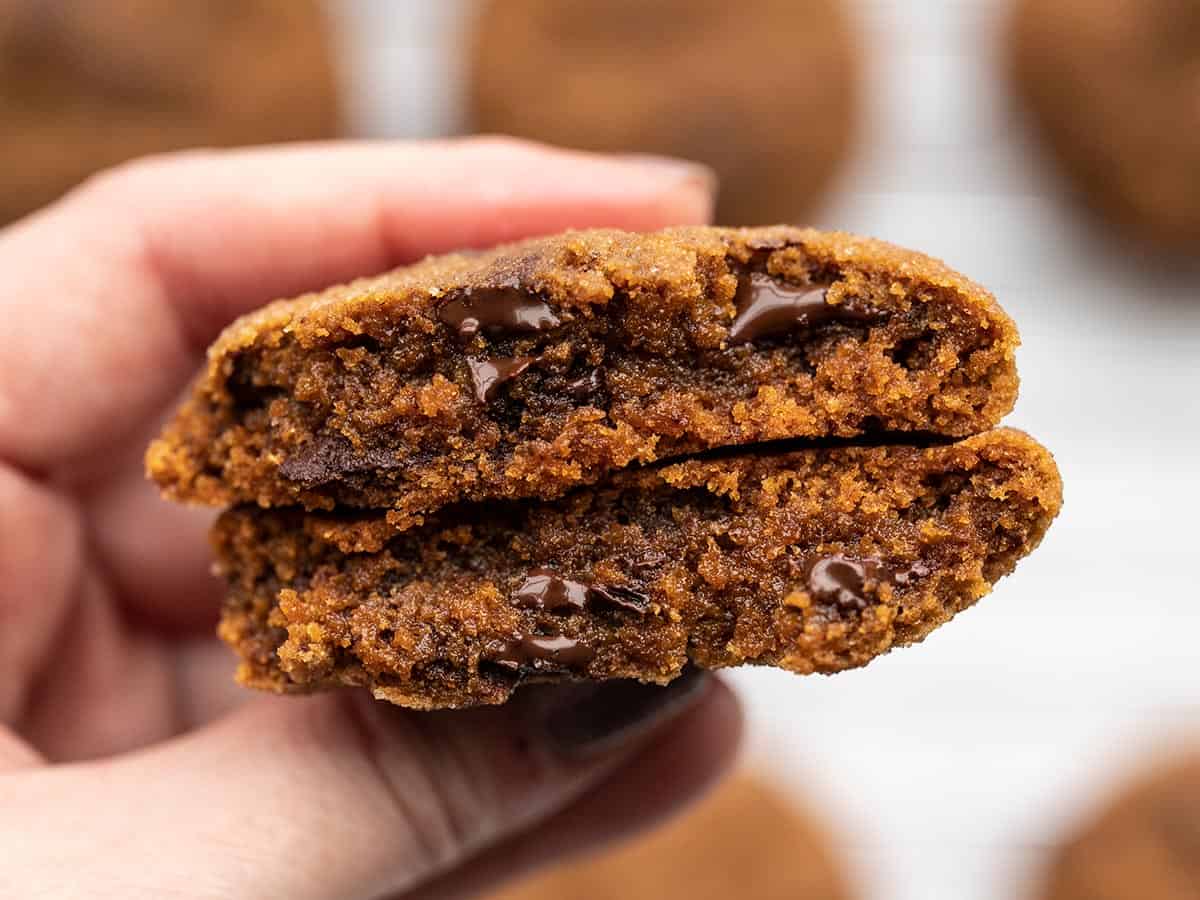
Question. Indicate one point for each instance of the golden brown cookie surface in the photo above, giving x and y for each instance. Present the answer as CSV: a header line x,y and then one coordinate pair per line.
x,y
765,91
747,840
1114,88
85,85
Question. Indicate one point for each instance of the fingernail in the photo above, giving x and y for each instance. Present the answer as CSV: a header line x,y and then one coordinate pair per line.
x,y
694,174
617,712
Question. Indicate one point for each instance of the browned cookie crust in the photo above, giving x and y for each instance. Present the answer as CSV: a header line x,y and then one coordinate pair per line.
x,y
86,84
533,368
1115,89
814,560
764,91
1144,846
747,841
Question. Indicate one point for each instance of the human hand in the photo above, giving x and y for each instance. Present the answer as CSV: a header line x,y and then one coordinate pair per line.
x,y
129,763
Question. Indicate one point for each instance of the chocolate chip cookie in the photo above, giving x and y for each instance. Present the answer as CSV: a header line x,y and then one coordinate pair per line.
x,y
811,560
1115,91
1144,846
86,84
534,368
764,91
747,840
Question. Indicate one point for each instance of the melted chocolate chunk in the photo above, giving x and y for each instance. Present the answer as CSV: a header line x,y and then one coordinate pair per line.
x,y
533,651
583,389
489,375
620,597
331,457
767,307
842,581
545,589
497,311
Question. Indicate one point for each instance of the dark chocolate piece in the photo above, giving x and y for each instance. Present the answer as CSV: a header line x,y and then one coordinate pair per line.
x,y
329,457
767,307
620,597
545,589
528,651
842,581
497,311
489,375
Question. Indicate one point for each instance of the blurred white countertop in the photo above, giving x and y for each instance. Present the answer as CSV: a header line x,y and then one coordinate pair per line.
x,y
948,768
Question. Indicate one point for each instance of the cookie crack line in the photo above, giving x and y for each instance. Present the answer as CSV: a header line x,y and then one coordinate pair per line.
x,y
608,455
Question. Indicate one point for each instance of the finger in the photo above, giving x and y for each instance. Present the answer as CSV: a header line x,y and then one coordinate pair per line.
x,y
112,292
41,561
332,796
657,783
173,588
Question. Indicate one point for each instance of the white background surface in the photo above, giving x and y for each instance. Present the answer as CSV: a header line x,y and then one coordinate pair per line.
x,y
948,768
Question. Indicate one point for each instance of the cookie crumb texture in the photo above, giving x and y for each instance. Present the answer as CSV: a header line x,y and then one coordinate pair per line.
x,y
531,369
747,840
1114,89
1144,846
814,560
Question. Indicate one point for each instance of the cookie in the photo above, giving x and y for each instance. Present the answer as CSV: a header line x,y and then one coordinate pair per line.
x,y
85,85
534,368
764,91
1115,93
1144,846
811,560
747,840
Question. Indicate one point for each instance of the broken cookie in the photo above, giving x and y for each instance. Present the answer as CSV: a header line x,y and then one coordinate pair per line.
x,y
538,367
812,560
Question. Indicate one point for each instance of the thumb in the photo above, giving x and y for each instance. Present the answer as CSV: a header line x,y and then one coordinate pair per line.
x,y
337,795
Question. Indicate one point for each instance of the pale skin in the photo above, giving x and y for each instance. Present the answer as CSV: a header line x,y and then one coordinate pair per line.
x,y
130,764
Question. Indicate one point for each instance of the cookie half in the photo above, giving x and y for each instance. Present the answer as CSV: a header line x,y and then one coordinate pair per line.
x,y
814,560
748,839
531,369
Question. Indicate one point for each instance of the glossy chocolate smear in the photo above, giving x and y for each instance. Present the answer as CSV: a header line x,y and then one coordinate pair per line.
x,y
497,311
541,652
767,307
489,375
545,589
842,582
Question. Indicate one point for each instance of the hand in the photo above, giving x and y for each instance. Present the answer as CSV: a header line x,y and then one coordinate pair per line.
x,y
129,763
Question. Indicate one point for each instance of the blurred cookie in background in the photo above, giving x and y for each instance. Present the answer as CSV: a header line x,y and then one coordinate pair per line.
x,y
85,84
747,840
1144,846
1114,88
764,91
